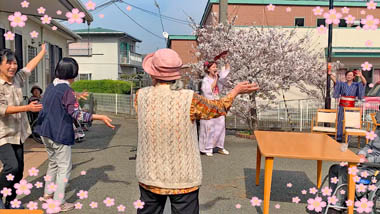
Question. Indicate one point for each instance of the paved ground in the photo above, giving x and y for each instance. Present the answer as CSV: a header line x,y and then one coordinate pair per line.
x,y
228,180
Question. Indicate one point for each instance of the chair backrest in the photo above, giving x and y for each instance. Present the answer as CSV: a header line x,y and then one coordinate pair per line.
x,y
352,117
326,116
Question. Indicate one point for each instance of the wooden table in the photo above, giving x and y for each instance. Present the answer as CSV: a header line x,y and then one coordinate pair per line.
x,y
307,146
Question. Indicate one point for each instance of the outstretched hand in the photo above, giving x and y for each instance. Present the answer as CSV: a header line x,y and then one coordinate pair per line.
x,y
246,87
34,106
106,120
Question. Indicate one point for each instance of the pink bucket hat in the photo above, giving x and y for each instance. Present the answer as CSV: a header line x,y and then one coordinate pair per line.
x,y
164,64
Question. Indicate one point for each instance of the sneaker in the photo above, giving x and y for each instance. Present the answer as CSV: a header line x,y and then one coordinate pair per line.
x,y
46,197
67,207
209,154
223,152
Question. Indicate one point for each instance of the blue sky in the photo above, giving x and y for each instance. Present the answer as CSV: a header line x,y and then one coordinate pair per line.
x,y
116,20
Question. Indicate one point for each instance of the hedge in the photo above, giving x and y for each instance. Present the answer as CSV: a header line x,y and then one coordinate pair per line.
x,y
102,86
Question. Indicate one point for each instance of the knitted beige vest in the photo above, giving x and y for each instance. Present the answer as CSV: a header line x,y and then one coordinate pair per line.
x,y
167,151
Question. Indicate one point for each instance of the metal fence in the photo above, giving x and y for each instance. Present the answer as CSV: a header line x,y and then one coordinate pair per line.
x,y
295,115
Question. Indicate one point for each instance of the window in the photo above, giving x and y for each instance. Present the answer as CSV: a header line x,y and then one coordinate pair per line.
x,y
32,52
300,22
2,39
80,49
18,51
321,22
342,23
85,76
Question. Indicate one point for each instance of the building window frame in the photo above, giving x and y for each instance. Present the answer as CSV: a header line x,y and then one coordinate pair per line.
x,y
342,23
295,21
324,20
85,76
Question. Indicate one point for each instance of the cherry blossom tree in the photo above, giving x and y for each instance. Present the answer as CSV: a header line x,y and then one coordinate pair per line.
x,y
275,58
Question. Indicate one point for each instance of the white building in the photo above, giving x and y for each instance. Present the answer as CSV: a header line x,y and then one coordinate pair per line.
x,y
26,47
106,54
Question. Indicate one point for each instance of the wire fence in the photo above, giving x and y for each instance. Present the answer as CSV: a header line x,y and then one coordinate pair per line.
x,y
295,115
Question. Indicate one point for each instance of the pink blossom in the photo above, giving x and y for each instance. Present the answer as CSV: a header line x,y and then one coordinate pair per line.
x,y
316,204
361,188
372,187
94,205
61,195
25,4
277,206
32,205
23,187
356,178
65,180
334,180
82,194
140,204
121,208
255,202
343,164
83,172
54,28
326,191
368,43
358,28
238,206
313,190
289,185
288,9
46,19
33,171
332,17
296,199
363,205
47,178
59,12
371,5
33,34
6,192
371,86
15,203
17,19
345,10
41,10
38,184
101,15
364,174
366,66
51,206
318,11
75,16
362,12
90,5
129,8
322,29
370,23
350,19
369,151
78,206
349,203
332,200
374,180
271,7
109,202
52,187
342,192
303,192
353,170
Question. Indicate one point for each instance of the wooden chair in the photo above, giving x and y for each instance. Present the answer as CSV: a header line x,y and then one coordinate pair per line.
x,y
352,124
324,116
374,121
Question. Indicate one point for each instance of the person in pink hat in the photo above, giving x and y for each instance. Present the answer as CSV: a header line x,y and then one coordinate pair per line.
x,y
168,162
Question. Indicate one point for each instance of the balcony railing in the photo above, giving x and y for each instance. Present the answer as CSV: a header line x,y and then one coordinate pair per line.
x,y
130,59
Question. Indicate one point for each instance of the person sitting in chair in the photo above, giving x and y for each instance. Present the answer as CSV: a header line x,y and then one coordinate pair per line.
x,y
36,96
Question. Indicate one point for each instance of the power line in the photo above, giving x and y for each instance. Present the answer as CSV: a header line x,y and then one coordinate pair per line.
x,y
138,23
159,12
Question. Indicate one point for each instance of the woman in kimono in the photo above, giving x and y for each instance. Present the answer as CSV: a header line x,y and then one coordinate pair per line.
x,y
347,92
212,132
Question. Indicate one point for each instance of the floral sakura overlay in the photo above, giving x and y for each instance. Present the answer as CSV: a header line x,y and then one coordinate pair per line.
x,y
316,204
369,43
296,199
322,29
370,23
17,19
109,202
90,5
121,208
32,205
334,180
332,17
83,172
75,16
38,184
41,10
15,204
289,185
82,194
101,16
370,135
52,187
345,10
46,19
313,190
25,4
255,202
332,200
277,206
6,192
94,205
318,11
59,12
288,9
271,7
371,5
238,206
326,191
350,19
138,204
129,8
23,187
363,206
78,205
33,34
51,206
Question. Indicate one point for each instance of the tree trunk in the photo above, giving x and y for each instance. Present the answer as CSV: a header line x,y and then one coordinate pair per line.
x,y
253,113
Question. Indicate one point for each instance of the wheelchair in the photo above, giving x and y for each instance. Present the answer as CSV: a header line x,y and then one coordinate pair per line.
x,y
373,196
32,117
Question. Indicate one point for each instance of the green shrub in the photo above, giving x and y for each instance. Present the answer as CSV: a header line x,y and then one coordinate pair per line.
x,y
102,86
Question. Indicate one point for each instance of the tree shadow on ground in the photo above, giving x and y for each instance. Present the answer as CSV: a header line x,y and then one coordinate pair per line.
x,y
208,205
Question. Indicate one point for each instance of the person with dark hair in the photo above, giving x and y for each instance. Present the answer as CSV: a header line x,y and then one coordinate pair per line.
x,y
36,92
14,123
168,162
213,132
55,126
347,92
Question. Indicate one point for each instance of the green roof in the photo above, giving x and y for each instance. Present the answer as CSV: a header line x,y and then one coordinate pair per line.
x,y
179,37
357,52
337,3
104,31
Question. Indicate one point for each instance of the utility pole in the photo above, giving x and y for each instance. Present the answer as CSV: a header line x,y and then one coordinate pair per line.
x,y
329,53
223,14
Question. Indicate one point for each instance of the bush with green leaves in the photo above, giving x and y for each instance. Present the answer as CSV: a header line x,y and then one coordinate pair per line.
x,y
102,86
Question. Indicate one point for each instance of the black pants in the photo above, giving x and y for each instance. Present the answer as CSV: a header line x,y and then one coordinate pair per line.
x,y
180,204
12,157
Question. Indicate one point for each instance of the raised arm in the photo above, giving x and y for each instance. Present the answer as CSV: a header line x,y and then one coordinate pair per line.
x,y
359,74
